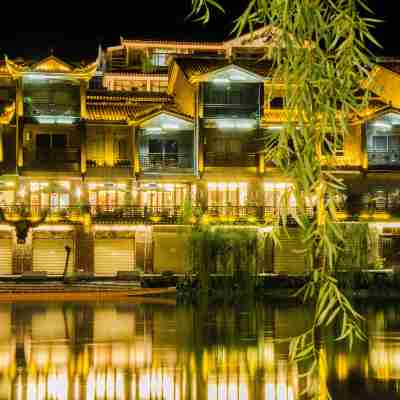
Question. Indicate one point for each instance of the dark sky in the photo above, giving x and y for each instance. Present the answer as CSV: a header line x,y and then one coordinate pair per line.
x,y
76,33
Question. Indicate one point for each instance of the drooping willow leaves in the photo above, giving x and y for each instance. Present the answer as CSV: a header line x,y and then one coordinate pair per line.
x,y
320,61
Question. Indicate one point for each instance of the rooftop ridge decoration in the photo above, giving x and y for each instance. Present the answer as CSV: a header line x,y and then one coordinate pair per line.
x,y
172,43
262,36
52,65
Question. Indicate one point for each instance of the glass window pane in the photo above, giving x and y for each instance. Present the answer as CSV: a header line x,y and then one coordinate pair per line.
x,y
379,143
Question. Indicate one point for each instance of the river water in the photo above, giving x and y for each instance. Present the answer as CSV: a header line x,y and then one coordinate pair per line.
x,y
161,351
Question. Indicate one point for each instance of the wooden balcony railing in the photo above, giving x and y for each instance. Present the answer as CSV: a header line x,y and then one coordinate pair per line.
x,y
251,111
166,161
384,159
218,214
219,159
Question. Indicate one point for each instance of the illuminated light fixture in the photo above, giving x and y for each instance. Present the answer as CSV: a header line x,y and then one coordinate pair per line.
x,y
92,186
235,124
21,192
170,126
225,124
54,228
154,129
169,187
78,192
61,119
118,228
237,78
382,125
220,80
10,184
244,124
275,127
34,187
65,184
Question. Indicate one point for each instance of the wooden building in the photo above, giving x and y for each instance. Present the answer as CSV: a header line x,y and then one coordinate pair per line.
x,y
112,166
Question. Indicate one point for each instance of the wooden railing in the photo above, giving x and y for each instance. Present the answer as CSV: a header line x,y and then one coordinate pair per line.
x,y
161,161
219,159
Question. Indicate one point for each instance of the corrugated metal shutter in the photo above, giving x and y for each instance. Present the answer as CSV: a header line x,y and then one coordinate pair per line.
x,y
5,257
49,255
171,251
113,255
287,260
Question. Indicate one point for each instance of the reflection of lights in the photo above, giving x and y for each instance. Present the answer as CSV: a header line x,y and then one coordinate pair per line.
x,y
342,366
231,391
157,385
278,391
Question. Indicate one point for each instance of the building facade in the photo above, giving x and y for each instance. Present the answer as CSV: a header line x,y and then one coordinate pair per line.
x,y
106,158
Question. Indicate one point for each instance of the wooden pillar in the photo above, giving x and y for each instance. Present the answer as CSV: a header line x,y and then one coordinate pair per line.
x,y
83,88
1,144
135,150
19,108
82,128
261,163
201,153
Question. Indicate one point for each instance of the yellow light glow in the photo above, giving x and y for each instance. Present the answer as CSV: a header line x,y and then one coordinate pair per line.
x,y
10,184
119,228
53,228
231,391
78,193
342,366
65,184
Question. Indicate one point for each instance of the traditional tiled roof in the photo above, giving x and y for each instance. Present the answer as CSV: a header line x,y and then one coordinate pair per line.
x,y
194,67
128,109
390,64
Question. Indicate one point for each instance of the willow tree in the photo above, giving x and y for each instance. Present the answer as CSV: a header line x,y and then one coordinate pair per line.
x,y
320,62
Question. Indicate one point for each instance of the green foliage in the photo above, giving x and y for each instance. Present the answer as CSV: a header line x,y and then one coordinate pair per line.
x,y
227,251
354,252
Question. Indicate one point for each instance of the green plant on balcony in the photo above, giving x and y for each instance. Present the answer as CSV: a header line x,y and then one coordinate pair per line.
x,y
22,224
379,263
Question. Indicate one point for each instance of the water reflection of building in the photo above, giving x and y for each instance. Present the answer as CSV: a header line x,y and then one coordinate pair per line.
x,y
143,352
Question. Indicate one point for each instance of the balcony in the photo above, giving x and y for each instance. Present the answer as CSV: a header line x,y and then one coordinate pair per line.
x,y
170,162
55,214
153,215
388,159
121,168
65,159
246,111
222,159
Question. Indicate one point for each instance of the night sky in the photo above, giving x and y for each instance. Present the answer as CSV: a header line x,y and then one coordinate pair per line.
x,y
77,34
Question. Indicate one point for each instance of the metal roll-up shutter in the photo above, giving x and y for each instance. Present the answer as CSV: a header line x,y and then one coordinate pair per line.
x,y
171,252
287,259
113,255
5,256
49,255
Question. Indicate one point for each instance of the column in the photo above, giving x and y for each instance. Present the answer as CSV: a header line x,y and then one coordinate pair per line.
x,y
19,108
135,150
82,128
1,144
83,87
261,163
